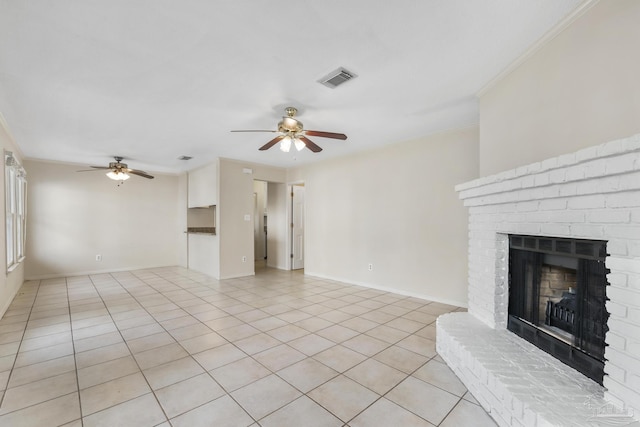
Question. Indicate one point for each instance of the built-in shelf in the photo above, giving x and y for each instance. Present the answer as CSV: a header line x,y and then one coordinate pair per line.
x,y
201,230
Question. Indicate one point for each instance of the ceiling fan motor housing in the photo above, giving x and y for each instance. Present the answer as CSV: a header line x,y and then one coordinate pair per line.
x,y
117,165
289,125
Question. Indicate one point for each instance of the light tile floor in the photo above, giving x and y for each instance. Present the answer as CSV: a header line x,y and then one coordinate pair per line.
x,y
172,347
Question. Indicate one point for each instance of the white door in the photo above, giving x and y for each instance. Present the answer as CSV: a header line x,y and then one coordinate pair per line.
x,y
297,220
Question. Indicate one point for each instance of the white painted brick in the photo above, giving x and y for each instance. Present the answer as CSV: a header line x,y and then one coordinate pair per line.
x,y
552,204
587,202
574,173
617,279
568,190
566,160
623,264
549,163
620,164
632,143
587,154
615,372
617,247
623,200
629,181
633,281
541,179
614,308
549,192
609,216
625,329
570,217
633,347
616,341
535,167
587,231
527,206
634,315
624,231
611,148
627,296
595,168
631,397
557,176
555,230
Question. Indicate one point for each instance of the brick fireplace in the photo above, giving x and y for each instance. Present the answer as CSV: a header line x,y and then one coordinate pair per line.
x,y
591,194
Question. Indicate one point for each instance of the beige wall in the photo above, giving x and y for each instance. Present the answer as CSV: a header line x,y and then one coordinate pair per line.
x,y
395,208
235,201
579,90
9,282
74,216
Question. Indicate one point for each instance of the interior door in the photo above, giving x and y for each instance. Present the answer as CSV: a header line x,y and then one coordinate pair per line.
x,y
297,220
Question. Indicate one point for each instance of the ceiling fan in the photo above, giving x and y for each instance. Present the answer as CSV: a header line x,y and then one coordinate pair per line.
x,y
118,171
291,131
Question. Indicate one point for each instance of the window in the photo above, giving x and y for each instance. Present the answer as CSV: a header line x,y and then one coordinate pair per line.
x,y
15,209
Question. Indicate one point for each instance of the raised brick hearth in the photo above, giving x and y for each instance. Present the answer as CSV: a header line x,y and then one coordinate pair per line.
x,y
591,194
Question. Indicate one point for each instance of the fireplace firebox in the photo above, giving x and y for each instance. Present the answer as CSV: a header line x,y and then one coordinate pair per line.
x,y
557,297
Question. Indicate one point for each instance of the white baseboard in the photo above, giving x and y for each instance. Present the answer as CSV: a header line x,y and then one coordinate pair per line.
x,y
390,289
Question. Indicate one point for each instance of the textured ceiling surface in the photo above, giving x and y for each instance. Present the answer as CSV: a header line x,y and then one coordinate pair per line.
x,y
151,80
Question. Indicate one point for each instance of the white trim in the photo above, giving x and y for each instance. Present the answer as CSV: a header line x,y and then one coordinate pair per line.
x,y
388,289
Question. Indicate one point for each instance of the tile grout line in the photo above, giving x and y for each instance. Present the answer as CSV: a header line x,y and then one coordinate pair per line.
x,y
13,366
73,346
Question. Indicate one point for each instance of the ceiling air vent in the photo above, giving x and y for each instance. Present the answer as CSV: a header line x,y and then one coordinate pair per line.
x,y
336,78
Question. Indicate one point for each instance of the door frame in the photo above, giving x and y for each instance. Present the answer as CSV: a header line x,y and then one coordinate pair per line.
x,y
289,244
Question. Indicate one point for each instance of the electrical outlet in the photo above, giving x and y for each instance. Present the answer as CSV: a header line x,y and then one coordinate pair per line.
x,y
370,267
244,259
98,257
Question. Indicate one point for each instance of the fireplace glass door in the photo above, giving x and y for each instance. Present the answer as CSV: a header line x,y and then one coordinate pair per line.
x,y
557,298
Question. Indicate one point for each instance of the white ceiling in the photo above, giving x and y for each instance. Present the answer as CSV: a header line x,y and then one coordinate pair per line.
x,y
151,80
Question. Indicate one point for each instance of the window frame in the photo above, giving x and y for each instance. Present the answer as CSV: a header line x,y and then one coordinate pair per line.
x,y
15,211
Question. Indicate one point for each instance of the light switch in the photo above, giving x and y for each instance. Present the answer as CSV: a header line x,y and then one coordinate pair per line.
x,y
247,217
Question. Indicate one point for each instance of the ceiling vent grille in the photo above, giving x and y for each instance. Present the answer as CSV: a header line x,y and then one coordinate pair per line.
x,y
336,78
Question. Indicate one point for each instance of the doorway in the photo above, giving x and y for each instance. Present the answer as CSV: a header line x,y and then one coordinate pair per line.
x,y
260,214
297,226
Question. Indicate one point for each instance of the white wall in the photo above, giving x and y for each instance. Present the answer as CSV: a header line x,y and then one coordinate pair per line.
x,y
395,208
9,282
578,90
74,216
181,206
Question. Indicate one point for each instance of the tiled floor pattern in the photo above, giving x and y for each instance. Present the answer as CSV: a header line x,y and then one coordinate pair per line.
x,y
172,347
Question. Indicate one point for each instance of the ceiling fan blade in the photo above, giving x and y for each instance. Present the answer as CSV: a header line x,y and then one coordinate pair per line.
x,y
310,144
271,143
272,131
100,167
140,173
89,170
325,134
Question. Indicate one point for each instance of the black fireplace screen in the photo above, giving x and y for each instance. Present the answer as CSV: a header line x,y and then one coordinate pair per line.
x,y
557,297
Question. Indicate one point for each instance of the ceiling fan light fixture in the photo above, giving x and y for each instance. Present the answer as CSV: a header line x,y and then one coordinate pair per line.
x,y
299,144
118,175
285,145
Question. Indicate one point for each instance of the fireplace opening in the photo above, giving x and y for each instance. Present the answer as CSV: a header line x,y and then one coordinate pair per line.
x,y
557,297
